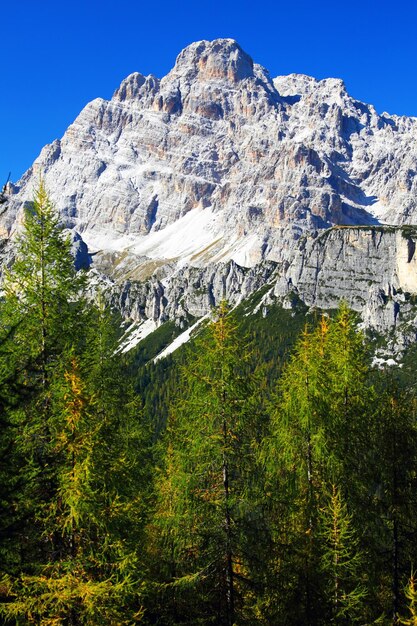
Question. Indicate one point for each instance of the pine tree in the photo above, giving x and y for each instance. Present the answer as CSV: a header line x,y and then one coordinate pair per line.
x,y
90,575
204,510
39,316
296,457
394,529
316,435
349,401
42,291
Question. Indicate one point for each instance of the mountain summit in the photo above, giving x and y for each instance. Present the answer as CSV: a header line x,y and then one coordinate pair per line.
x,y
257,161
214,60
216,162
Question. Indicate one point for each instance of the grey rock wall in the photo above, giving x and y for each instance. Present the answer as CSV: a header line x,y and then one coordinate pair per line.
x,y
374,269
216,180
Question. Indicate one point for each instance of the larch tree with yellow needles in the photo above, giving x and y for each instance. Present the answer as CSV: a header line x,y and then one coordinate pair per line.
x,y
77,445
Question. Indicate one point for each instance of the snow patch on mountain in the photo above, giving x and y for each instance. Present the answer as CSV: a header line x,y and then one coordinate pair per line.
x,y
188,236
180,340
135,333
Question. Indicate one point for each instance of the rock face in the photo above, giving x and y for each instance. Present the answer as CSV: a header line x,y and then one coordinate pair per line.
x,y
217,166
374,269
191,291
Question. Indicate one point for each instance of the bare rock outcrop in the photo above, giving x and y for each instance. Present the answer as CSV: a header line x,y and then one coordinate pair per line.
x,y
215,166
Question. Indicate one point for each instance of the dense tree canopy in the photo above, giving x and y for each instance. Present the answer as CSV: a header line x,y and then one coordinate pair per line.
x,y
73,440
250,487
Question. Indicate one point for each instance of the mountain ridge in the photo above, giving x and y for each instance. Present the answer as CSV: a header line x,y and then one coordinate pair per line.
x,y
216,163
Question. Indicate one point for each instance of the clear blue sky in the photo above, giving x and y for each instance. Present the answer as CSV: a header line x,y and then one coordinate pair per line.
x,y
57,56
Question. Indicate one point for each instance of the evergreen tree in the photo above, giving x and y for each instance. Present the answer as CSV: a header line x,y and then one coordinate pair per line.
x,y
341,562
315,437
40,315
394,529
90,526
295,456
205,511
42,291
78,444
349,400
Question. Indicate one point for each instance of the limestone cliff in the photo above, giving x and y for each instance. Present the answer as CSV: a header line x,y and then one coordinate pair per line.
x,y
217,169
374,269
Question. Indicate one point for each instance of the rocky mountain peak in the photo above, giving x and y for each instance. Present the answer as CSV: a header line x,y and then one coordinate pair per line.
x,y
129,87
136,86
217,162
214,60
176,185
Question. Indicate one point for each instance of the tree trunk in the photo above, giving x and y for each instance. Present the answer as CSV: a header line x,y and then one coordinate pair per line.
x,y
230,600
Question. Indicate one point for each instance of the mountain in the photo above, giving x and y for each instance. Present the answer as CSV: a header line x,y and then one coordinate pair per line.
x,y
218,179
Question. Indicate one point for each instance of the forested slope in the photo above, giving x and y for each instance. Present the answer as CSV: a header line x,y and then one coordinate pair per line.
x,y
263,474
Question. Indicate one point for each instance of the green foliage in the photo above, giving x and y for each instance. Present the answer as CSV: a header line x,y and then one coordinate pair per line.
x,y
341,562
55,599
204,509
322,400
78,447
326,429
394,529
411,596
42,303
272,338
42,291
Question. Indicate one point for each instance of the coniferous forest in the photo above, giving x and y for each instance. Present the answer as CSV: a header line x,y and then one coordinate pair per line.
x,y
261,477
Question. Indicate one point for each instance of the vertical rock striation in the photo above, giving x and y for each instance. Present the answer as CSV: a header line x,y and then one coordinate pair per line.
x,y
217,166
